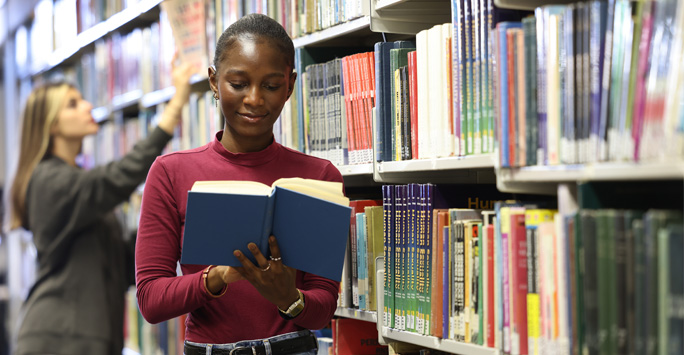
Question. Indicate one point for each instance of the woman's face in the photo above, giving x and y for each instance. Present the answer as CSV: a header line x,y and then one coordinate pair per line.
x,y
74,120
253,82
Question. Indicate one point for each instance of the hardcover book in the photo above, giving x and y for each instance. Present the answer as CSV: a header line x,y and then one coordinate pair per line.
x,y
306,216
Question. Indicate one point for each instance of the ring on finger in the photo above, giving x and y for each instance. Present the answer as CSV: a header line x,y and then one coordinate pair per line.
x,y
267,267
275,259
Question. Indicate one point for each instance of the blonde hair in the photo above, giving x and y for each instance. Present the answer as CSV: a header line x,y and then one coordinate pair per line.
x,y
40,113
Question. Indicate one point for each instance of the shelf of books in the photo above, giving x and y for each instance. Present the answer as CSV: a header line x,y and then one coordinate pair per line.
x,y
69,42
517,101
426,165
368,316
446,345
628,171
339,30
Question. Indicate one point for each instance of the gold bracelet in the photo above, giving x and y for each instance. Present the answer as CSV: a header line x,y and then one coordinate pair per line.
x,y
205,276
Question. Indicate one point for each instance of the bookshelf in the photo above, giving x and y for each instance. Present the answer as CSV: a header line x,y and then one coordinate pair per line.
x,y
393,19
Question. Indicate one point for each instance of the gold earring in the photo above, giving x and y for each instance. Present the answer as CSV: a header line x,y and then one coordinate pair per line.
x,y
216,99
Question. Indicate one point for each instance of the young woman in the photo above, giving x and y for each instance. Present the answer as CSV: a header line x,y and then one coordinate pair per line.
x,y
254,309
76,305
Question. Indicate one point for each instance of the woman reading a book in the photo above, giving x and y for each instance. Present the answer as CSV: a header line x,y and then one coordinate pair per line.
x,y
85,266
259,308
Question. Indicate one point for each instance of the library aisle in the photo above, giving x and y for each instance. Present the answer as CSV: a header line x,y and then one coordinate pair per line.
x,y
515,167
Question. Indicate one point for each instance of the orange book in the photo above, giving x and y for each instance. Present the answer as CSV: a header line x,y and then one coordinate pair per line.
x,y
349,107
440,220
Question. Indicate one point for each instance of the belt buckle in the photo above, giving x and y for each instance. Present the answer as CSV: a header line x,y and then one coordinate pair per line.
x,y
233,350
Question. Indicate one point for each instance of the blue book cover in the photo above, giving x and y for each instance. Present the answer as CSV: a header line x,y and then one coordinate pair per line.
x,y
216,224
383,97
362,260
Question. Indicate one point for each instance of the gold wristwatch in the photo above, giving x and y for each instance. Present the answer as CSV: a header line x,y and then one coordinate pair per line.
x,y
295,308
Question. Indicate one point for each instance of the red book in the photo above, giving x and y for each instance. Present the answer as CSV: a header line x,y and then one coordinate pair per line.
x,y
491,256
518,240
413,101
353,336
362,67
510,39
359,114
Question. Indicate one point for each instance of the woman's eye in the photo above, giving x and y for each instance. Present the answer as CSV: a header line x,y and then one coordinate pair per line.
x,y
72,103
272,87
238,85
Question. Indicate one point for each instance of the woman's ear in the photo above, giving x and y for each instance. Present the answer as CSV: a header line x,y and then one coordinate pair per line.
x,y
211,71
293,79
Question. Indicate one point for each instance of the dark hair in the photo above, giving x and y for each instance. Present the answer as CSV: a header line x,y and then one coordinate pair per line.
x,y
260,26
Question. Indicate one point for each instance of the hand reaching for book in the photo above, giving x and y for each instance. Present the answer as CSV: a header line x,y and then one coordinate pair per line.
x,y
180,77
273,280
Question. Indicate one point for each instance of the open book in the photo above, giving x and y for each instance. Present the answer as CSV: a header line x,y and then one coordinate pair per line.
x,y
309,218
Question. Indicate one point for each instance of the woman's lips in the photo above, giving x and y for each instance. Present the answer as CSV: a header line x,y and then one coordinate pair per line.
x,y
251,117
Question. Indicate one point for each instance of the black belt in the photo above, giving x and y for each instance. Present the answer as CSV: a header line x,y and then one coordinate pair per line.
x,y
278,347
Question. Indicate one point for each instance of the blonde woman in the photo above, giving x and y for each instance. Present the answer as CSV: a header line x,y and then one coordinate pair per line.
x,y
76,305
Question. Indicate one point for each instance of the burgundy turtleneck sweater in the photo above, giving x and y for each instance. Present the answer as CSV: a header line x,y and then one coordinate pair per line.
x,y
242,313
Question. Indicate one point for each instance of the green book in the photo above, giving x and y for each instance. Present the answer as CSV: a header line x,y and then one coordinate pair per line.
x,y
606,282
398,59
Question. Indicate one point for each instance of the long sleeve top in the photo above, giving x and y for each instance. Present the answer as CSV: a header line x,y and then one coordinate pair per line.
x,y
76,305
242,313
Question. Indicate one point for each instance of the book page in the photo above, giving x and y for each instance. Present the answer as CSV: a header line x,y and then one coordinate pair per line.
x,y
232,186
326,190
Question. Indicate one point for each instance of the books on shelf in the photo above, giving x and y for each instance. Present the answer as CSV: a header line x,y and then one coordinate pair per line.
x,y
188,24
306,216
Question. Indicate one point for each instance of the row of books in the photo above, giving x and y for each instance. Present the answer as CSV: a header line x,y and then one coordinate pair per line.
x,y
590,81
520,276
338,102
143,338
62,21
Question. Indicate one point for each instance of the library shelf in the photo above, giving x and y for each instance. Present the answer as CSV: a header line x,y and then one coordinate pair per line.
x,y
447,345
532,178
386,4
127,100
484,161
198,83
131,17
367,316
527,4
100,114
354,170
357,25
596,172
465,169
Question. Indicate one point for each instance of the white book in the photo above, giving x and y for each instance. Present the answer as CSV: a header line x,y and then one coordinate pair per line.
x,y
423,94
435,90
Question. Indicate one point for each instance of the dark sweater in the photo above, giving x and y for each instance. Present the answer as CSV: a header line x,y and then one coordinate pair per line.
x,y
85,267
